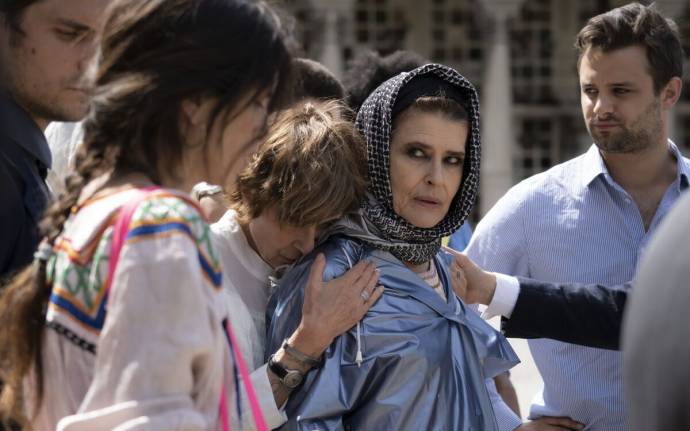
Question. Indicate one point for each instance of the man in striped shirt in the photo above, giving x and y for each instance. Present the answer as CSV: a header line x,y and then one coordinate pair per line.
x,y
589,219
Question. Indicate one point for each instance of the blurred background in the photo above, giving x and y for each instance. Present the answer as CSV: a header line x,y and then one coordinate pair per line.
x,y
518,53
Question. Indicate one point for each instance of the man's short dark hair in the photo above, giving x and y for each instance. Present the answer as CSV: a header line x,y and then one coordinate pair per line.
x,y
312,80
12,11
369,70
637,25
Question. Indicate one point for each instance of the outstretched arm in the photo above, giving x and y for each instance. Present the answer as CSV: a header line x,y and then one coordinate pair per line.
x,y
585,314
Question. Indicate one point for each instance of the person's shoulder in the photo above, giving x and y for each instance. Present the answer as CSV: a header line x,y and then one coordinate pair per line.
x,y
341,253
11,184
227,225
166,214
169,207
560,180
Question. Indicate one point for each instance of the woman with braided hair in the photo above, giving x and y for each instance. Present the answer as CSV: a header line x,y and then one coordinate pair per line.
x,y
419,358
119,322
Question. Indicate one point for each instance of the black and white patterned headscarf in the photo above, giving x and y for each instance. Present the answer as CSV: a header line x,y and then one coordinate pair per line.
x,y
377,223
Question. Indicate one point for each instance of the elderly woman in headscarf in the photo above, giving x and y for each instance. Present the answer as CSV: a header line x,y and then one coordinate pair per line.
x,y
419,358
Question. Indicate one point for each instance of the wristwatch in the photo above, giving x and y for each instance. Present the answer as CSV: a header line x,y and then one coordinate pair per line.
x,y
290,378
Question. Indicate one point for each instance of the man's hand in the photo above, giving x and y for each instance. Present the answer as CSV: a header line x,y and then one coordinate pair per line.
x,y
471,283
332,308
549,423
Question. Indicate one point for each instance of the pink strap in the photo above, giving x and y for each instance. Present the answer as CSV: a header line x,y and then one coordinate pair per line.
x,y
244,374
121,229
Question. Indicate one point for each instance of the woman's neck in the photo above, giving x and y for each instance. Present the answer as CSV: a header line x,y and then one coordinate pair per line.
x,y
418,268
113,182
250,239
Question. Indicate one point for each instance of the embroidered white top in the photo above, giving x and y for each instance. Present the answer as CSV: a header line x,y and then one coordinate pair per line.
x,y
152,355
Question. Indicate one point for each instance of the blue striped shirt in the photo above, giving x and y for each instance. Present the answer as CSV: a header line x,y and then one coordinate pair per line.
x,y
573,223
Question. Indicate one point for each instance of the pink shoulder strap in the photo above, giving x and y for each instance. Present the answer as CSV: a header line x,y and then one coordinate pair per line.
x,y
259,420
120,231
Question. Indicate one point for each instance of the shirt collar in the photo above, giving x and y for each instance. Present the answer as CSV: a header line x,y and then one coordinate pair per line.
x,y
594,166
21,129
683,176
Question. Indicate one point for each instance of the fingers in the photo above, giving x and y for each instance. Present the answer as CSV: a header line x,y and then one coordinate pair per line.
x,y
375,295
354,273
450,250
372,280
316,272
460,258
361,278
463,260
458,281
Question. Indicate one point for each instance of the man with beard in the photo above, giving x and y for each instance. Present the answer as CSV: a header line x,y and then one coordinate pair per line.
x,y
589,219
45,46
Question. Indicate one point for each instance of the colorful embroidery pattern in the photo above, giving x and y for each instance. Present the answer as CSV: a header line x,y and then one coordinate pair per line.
x,y
78,277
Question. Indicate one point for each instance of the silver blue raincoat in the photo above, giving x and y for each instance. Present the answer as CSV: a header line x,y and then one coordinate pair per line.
x,y
424,360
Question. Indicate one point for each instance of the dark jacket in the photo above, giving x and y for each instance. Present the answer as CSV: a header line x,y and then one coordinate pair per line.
x,y
24,162
589,315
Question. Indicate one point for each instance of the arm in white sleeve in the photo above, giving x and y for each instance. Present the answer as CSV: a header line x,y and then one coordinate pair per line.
x,y
273,415
505,297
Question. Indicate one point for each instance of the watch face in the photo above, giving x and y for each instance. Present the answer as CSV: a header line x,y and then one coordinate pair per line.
x,y
292,379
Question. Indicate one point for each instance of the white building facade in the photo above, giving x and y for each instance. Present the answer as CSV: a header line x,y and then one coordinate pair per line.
x,y
519,54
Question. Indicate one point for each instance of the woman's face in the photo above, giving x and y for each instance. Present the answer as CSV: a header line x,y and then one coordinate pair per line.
x,y
279,244
217,153
426,158
240,137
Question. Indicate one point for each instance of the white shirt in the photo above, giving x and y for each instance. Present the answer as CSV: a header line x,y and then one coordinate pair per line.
x,y
505,297
573,223
246,289
64,140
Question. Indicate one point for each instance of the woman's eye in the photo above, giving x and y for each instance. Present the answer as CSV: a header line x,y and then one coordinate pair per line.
x,y
454,160
416,153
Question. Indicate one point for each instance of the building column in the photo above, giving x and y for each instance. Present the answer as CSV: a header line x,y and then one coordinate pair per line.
x,y
673,9
332,14
498,138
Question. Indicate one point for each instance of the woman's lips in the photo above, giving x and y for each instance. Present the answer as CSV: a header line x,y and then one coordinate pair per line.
x,y
427,202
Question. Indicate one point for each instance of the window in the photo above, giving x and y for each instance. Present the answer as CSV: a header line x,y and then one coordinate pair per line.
x,y
457,36
531,48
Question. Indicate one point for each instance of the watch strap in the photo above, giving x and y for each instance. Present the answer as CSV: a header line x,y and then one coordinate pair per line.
x,y
276,368
299,356
289,378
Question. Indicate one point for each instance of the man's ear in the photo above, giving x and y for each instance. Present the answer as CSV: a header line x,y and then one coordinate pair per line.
x,y
671,92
